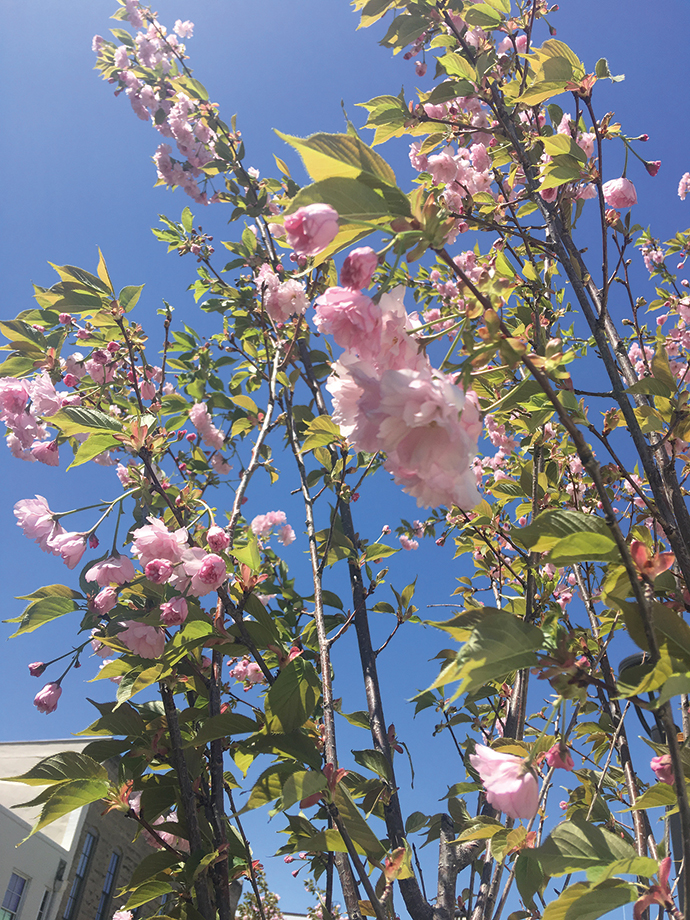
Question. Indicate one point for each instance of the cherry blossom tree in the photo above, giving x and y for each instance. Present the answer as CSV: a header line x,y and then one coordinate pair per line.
x,y
457,363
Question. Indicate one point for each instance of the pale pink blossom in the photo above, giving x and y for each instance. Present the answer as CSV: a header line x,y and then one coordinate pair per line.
x,y
155,542
14,398
184,29
113,570
358,268
97,646
177,843
203,572
46,700
511,786
69,546
619,193
286,535
217,539
220,464
158,571
145,641
247,671
174,612
45,400
312,228
210,435
262,524
663,769
684,186
36,520
123,915
46,452
559,756
352,318
406,543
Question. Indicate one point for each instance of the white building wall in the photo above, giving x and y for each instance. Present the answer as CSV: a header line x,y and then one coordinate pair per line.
x,y
39,858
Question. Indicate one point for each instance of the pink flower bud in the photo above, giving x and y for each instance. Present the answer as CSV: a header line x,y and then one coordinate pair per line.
x,y
358,268
70,380
663,769
560,756
174,612
644,137
312,228
46,700
93,541
652,167
420,68
217,539
158,571
37,668
65,319
619,193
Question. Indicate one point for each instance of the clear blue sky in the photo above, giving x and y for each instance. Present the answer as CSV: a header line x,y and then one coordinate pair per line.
x,y
77,175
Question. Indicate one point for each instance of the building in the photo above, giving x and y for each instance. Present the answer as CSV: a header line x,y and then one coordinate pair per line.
x,y
72,868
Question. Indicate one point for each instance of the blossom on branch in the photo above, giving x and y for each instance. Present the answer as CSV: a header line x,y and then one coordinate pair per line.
x,y
511,786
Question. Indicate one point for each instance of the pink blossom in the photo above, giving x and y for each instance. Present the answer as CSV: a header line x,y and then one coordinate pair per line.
x,y
684,186
358,267
145,641
657,894
511,786
69,546
184,29
14,397
312,228
217,539
560,756
352,318
406,543
262,524
663,769
46,700
286,535
36,520
619,193
178,843
123,915
155,542
247,671
652,167
220,464
113,570
45,400
210,435
174,612
420,68
203,572
98,648
46,452
36,668
158,571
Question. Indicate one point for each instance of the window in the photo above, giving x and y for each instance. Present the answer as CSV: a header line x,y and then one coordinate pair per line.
x,y
45,902
13,897
80,876
108,885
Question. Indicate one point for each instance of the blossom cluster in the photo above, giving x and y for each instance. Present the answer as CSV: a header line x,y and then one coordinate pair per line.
x,y
387,397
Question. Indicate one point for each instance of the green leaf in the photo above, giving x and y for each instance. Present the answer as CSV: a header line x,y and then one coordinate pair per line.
x,y
529,878
151,865
293,697
246,402
222,726
601,69
81,276
116,720
499,645
482,15
269,786
327,156
575,845
559,144
377,551
357,827
73,420
638,865
659,794
129,296
376,762
249,554
457,66
149,891
553,530
585,902
552,67
138,679
102,272
355,201
403,30
68,796
57,768
43,611
187,220
93,446
320,431
301,785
